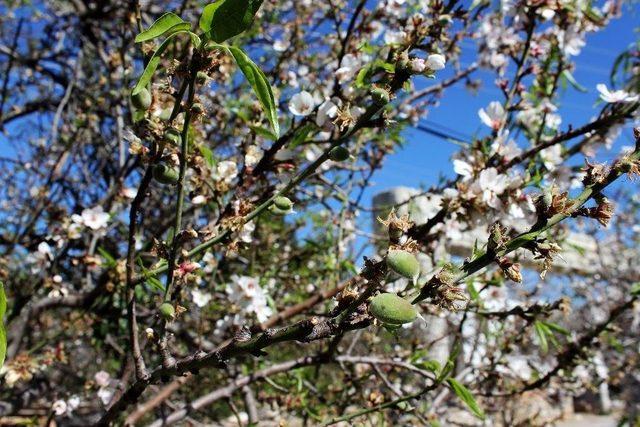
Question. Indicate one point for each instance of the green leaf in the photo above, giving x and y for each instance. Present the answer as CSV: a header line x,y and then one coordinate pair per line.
x,y
567,75
151,67
266,133
3,333
227,18
542,331
301,135
155,284
473,292
207,154
429,365
260,85
557,328
168,23
465,395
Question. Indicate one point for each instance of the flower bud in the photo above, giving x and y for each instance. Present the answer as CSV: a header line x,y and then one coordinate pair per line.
x,y
380,95
165,174
435,62
392,310
142,99
167,311
404,263
339,154
172,136
283,203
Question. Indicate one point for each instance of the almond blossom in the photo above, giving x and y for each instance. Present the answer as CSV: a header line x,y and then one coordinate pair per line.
x,y
493,116
94,218
615,96
492,184
349,66
301,104
435,62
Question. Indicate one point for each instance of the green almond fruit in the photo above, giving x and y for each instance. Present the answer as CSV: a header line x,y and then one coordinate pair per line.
x,y
172,136
197,108
277,211
380,96
167,311
339,154
202,77
404,263
142,99
165,174
392,310
283,203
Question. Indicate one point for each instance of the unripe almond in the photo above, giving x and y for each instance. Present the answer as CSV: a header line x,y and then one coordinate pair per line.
x,y
142,99
339,154
167,311
277,211
165,174
172,136
197,108
283,203
404,263
380,95
201,77
392,310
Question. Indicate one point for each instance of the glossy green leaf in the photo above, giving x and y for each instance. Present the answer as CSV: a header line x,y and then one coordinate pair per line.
x,y
227,18
167,24
542,332
465,395
557,328
301,135
567,75
266,133
151,67
260,85
3,333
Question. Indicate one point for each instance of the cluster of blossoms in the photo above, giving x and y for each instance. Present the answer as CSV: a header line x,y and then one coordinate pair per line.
x,y
25,366
248,299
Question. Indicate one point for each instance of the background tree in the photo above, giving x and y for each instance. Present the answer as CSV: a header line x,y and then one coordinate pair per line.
x,y
184,204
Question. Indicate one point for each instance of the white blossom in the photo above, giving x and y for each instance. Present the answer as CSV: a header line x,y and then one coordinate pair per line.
x,y
94,218
226,171
349,66
507,150
59,407
492,184
615,96
301,104
552,156
252,156
435,62
246,293
102,378
200,298
463,168
246,234
105,394
280,45
326,112
493,116
199,200
417,65
395,37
